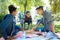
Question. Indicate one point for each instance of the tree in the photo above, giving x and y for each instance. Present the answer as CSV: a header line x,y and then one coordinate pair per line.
x,y
3,8
55,6
26,4
38,3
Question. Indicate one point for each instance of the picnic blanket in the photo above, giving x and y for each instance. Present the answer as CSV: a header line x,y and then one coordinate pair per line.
x,y
20,36
48,36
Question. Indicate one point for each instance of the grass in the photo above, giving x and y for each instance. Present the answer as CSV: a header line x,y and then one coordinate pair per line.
x,y
57,27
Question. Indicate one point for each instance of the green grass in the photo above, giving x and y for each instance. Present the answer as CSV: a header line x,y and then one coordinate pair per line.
x,y
57,27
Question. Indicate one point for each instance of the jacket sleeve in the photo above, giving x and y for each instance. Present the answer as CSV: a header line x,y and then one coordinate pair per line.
x,y
49,18
4,25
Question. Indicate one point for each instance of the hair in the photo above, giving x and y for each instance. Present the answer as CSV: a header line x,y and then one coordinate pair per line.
x,y
40,7
27,12
28,18
11,8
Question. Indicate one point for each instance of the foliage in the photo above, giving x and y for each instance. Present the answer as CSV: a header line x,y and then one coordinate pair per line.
x,y
26,4
1,17
55,6
3,8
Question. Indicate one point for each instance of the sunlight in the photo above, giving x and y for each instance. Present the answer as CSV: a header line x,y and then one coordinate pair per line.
x,y
46,2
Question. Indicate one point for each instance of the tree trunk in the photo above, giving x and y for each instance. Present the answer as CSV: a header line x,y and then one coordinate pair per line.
x,y
25,6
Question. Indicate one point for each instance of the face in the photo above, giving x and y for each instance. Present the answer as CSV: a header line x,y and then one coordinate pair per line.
x,y
28,14
14,13
39,11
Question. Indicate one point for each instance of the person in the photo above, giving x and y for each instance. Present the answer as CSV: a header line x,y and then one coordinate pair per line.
x,y
21,17
28,18
47,20
8,25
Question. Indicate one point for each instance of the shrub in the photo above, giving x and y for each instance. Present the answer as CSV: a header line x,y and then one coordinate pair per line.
x,y
1,17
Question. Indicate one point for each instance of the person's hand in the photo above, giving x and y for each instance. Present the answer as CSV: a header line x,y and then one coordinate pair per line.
x,y
2,38
29,31
33,28
19,34
55,35
9,38
43,33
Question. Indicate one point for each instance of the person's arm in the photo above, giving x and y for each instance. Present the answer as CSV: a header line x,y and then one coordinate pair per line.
x,y
38,23
30,21
50,22
35,26
52,28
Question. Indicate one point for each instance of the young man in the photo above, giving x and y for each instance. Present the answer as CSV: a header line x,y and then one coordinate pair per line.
x,y
8,25
46,20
